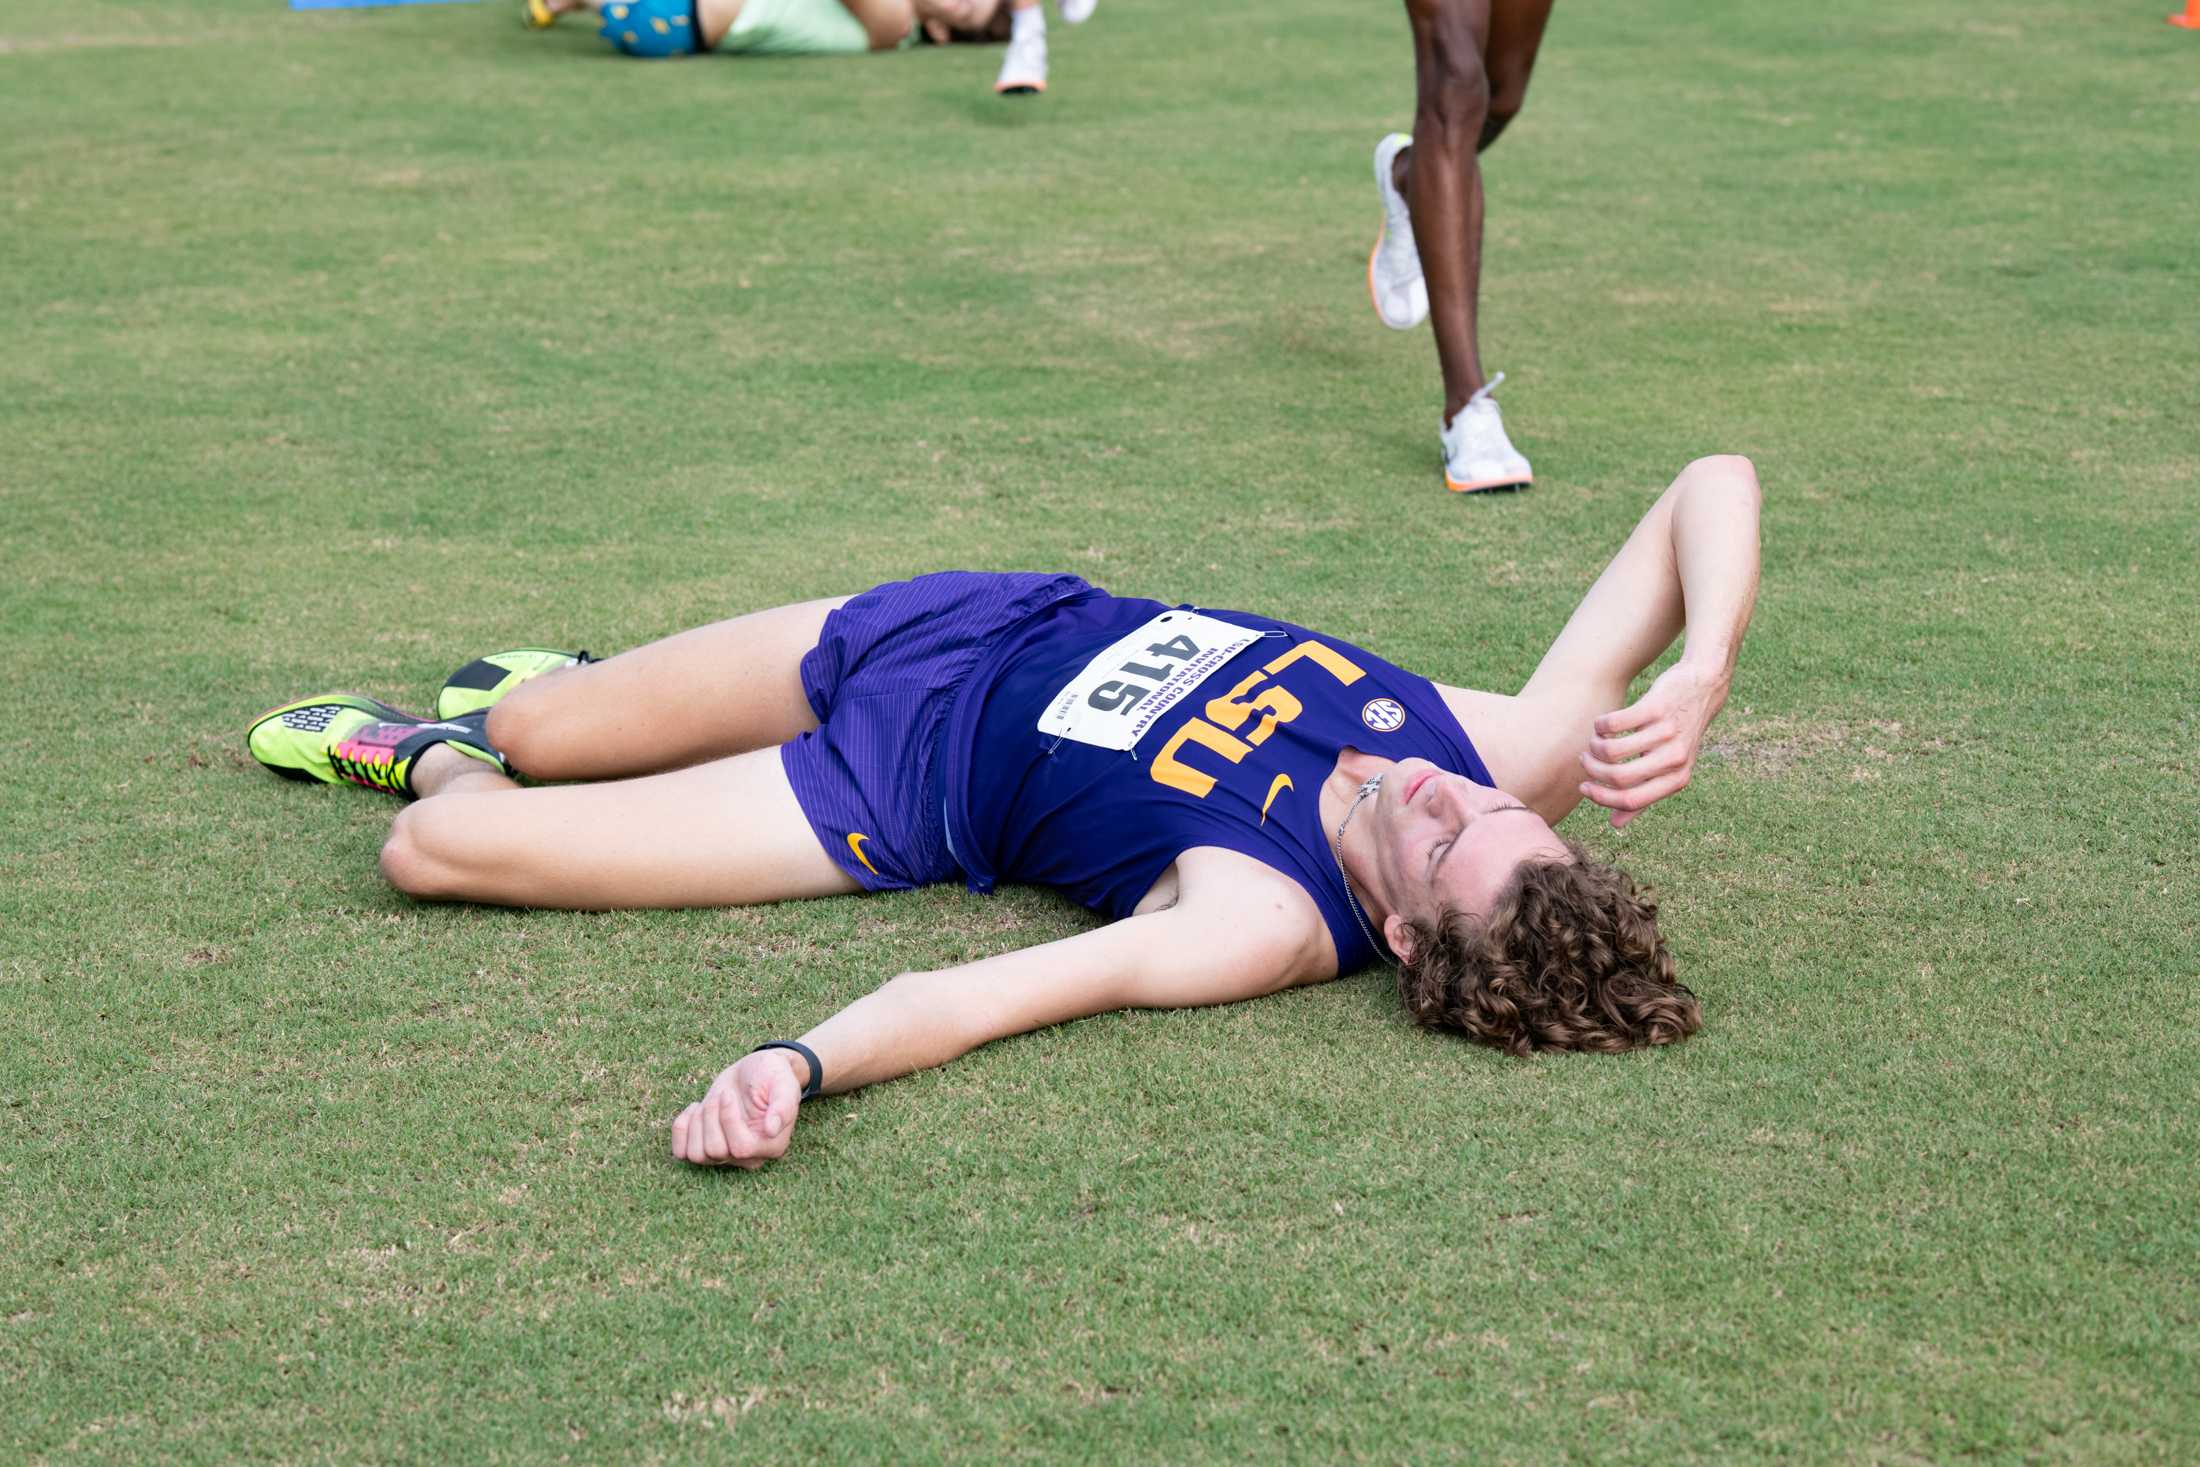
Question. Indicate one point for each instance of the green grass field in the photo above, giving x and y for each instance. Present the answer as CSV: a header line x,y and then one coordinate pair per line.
x,y
340,348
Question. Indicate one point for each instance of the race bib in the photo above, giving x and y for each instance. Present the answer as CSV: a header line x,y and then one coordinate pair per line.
x,y
1124,691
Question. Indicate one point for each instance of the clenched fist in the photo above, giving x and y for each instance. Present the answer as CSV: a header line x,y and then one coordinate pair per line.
x,y
746,1116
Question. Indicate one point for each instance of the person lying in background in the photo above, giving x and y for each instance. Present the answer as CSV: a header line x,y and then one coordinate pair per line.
x,y
662,28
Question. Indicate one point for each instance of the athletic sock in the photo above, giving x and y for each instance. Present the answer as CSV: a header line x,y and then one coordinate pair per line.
x,y
1031,20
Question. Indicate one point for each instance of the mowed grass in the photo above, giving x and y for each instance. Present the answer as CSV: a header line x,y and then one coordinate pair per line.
x,y
340,348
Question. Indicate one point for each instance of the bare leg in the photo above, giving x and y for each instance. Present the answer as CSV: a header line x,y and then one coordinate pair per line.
x,y
702,694
1516,35
726,833
1471,64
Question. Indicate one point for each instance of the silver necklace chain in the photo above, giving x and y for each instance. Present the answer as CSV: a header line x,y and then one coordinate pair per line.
x,y
1337,849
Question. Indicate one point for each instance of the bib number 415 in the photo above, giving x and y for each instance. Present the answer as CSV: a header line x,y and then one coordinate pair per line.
x,y
1122,694
1116,700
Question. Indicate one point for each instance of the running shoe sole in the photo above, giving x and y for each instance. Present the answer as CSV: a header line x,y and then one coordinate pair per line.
x,y
1384,188
1478,486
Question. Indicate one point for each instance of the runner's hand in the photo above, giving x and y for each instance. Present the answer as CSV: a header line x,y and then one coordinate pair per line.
x,y
746,1118
1645,752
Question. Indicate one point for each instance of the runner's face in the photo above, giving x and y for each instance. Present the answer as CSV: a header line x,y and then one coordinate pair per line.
x,y
1445,841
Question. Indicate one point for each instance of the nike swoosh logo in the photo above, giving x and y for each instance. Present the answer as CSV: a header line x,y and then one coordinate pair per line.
x,y
855,843
1276,787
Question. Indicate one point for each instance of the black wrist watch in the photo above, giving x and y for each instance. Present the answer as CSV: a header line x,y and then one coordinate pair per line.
x,y
817,1071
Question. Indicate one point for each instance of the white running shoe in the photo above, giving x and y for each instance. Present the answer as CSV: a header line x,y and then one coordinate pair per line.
x,y
1394,265
1077,12
1477,454
1024,68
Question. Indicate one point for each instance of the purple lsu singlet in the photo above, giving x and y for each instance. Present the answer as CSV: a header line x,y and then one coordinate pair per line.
x,y
1105,736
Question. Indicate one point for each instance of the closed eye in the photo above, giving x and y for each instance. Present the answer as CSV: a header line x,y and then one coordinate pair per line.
x,y
1446,849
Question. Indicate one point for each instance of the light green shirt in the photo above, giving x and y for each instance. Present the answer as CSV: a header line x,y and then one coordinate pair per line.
x,y
797,28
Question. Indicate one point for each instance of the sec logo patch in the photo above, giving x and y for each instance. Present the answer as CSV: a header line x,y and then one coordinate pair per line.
x,y
1384,715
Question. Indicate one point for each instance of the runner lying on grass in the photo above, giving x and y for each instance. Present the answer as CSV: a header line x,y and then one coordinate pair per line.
x,y
1258,806
660,28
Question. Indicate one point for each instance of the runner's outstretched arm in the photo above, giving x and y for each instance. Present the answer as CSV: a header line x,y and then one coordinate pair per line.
x,y
1231,936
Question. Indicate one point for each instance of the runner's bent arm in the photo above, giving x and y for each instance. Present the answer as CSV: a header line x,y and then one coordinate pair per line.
x,y
1223,941
1691,564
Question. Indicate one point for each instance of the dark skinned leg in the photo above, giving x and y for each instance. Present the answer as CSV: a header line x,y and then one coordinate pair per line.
x,y
1516,34
1471,64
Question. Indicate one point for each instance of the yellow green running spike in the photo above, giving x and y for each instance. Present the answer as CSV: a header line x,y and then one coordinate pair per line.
x,y
480,683
343,738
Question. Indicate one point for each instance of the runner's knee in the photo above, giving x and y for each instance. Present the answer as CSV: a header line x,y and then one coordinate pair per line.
x,y
416,858
520,726
1455,90
1508,84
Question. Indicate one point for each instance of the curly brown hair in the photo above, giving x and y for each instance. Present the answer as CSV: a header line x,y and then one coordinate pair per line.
x,y
1569,957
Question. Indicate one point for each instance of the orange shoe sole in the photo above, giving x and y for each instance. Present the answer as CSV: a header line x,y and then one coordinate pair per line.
x,y
1373,299
1477,486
